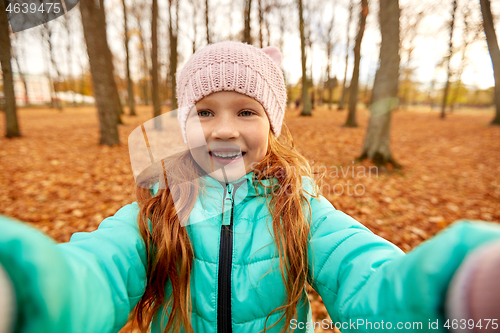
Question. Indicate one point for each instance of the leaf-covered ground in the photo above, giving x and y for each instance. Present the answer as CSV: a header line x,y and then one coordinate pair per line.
x,y
57,179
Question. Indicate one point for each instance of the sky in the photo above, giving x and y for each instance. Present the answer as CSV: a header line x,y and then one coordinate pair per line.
x,y
431,42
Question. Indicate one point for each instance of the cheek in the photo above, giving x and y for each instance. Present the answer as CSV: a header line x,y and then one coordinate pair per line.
x,y
263,146
261,141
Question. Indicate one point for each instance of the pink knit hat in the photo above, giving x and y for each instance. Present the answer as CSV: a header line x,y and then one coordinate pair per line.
x,y
233,66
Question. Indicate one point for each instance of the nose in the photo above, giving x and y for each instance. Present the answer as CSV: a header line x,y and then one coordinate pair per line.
x,y
226,129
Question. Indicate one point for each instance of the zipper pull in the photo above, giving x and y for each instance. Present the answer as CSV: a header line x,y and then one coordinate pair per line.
x,y
228,205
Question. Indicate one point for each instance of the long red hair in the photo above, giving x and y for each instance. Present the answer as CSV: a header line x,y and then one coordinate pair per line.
x,y
169,250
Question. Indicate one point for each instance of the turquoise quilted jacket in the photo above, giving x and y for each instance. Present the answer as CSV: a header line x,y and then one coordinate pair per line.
x,y
92,283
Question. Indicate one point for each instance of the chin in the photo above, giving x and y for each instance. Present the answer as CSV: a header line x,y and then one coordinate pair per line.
x,y
228,174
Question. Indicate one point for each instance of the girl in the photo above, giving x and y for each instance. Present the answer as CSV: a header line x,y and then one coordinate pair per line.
x,y
233,228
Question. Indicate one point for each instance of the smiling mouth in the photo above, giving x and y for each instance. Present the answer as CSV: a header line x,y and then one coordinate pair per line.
x,y
227,155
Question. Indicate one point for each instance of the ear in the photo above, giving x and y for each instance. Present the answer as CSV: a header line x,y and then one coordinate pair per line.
x,y
274,53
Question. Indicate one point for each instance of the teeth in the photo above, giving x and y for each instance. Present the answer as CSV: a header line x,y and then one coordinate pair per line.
x,y
227,155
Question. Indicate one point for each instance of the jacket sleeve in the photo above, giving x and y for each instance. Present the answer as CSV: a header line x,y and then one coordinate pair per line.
x,y
365,280
87,285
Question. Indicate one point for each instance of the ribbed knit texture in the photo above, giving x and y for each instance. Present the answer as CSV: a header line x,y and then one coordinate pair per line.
x,y
233,66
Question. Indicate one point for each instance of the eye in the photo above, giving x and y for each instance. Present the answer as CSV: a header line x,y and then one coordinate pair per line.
x,y
246,113
204,113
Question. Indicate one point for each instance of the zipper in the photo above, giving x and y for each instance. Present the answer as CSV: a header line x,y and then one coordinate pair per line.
x,y
225,264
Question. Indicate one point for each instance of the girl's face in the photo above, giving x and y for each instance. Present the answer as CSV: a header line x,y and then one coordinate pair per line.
x,y
235,128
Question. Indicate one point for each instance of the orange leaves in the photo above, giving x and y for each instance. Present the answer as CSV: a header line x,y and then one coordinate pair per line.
x,y
451,171
59,180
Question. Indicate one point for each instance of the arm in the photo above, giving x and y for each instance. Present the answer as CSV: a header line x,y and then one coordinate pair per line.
x,y
87,285
362,276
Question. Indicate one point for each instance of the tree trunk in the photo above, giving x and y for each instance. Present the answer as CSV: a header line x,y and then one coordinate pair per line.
x,y
15,55
195,25
130,87
329,49
491,39
282,22
44,34
328,81
12,126
353,91
145,66
102,75
69,50
206,22
154,62
308,38
23,78
348,40
247,37
261,36
54,65
450,54
408,36
116,95
468,39
83,69
385,90
306,103
268,30
173,33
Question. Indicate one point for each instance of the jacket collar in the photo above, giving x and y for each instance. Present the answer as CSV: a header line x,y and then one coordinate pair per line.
x,y
210,201
243,187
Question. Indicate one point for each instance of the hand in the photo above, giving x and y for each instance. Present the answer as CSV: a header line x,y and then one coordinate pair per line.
x,y
7,303
474,291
